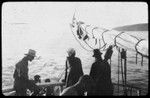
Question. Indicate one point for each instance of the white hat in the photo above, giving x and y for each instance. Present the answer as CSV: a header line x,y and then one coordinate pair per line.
x,y
31,52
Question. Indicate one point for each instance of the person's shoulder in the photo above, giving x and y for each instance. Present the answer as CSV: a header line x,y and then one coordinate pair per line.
x,y
105,62
18,63
94,65
97,62
68,91
77,58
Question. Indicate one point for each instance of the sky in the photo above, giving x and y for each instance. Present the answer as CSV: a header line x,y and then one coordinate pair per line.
x,y
45,25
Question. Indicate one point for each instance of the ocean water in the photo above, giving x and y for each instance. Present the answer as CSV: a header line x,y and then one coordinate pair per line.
x,y
52,64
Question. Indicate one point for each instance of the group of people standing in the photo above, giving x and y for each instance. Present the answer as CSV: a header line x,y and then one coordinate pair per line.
x,y
98,82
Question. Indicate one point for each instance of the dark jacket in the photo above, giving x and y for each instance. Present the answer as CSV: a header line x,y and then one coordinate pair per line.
x,y
21,77
21,70
75,71
101,74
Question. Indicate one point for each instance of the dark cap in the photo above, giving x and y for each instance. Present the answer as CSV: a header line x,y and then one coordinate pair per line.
x,y
96,52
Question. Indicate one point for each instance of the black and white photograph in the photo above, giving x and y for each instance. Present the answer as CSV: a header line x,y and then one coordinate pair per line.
x,y
75,48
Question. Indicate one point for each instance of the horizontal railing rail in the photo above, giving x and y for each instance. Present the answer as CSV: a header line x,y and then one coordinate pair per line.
x,y
130,88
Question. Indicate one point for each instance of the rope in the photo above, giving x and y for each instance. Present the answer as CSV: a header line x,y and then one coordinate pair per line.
x,y
85,41
135,37
86,30
118,68
136,57
137,49
125,72
116,37
139,52
93,30
123,56
122,73
103,39
142,61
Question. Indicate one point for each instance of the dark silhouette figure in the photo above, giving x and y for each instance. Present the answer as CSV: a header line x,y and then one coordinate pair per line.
x,y
108,53
49,90
83,85
35,91
73,69
101,74
47,80
21,81
37,79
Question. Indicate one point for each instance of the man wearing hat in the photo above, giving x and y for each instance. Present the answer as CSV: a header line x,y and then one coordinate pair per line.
x,y
21,81
101,74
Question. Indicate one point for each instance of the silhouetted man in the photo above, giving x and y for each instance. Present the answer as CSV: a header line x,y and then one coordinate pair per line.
x,y
21,81
101,74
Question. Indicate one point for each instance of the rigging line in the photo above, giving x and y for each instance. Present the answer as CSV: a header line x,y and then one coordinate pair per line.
x,y
94,37
84,40
86,30
103,39
104,46
125,73
116,37
60,75
125,47
137,49
89,45
125,40
135,37
118,67
103,36
136,56
93,30
123,77
99,44
142,61
122,72
78,41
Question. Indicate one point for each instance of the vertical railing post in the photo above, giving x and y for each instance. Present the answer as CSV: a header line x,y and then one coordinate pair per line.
x,y
118,67
131,91
138,92
136,57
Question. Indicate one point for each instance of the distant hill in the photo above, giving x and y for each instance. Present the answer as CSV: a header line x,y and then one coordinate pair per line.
x,y
135,27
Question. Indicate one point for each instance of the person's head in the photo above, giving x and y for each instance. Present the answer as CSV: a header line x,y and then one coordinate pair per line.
x,y
85,82
97,54
71,52
47,80
31,54
37,78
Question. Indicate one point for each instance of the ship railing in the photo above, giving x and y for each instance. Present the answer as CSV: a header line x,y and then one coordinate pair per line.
x,y
10,91
130,89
